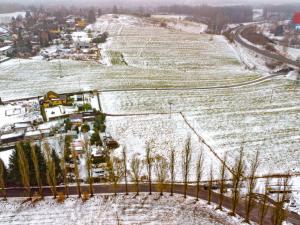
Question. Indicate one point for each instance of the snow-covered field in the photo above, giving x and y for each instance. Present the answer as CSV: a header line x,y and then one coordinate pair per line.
x,y
107,210
156,57
261,117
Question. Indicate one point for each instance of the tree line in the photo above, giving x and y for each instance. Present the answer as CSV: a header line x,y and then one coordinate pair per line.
x,y
215,17
30,166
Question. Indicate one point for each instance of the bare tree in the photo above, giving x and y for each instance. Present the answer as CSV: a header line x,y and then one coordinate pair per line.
x,y
264,204
161,169
76,172
24,169
199,173
172,169
125,168
210,184
186,160
149,164
116,171
63,165
50,166
2,179
279,213
238,172
136,169
89,163
222,182
36,168
251,186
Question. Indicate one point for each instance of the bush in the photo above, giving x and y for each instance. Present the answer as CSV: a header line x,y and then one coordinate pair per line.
x,y
101,39
86,106
95,139
85,128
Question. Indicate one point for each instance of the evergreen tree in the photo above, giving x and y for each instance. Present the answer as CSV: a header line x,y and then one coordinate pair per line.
x,y
67,152
14,176
3,174
56,160
99,123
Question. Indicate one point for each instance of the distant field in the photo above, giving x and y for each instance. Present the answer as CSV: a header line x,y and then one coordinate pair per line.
x,y
155,57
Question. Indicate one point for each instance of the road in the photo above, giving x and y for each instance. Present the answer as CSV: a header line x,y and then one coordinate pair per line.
x,y
237,36
178,189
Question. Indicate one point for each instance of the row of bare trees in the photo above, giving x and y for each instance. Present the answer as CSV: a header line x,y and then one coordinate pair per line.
x,y
165,176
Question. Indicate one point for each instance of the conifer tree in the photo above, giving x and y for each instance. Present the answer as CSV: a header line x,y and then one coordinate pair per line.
x,y
3,174
36,168
24,169
50,163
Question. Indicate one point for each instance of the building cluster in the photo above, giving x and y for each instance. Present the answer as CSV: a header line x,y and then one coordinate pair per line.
x,y
26,36
41,117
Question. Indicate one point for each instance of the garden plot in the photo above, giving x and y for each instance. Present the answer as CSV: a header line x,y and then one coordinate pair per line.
x,y
262,117
106,210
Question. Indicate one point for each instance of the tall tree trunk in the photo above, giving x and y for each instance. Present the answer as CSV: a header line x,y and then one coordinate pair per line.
x,y
36,168
172,170
222,182
125,168
199,171
76,171
2,180
186,159
251,186
24,169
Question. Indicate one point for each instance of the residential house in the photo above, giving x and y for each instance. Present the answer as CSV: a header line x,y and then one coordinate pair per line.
x,y
53,99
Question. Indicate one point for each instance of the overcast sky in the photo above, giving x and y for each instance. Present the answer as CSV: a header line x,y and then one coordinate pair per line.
x,y
149,2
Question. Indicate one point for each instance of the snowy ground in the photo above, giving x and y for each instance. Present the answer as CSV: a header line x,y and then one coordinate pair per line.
x,y
262,117
107,210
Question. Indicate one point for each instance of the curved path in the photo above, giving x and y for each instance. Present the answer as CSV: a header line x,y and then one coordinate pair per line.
x,y
237,36
178,189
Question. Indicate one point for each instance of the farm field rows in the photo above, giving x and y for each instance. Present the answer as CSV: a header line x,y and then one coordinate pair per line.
x,y
155,57
262,117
